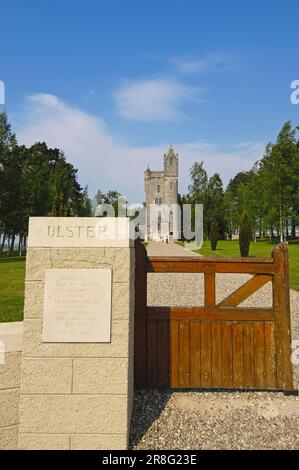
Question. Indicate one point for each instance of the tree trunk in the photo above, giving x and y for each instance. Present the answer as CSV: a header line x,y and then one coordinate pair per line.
x,y
280,212
12,245
293,230
3,242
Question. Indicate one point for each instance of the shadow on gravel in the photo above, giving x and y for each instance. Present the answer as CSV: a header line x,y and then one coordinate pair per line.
x,y
149,404
147,408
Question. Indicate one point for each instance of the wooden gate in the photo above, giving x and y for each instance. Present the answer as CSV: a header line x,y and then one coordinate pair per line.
x,y
216,345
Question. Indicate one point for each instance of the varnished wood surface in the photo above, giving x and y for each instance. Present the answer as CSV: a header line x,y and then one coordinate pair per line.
x,y
215,345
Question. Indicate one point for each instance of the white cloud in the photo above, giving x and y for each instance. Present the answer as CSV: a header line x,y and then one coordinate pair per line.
x,y
105,163
205,64
152,99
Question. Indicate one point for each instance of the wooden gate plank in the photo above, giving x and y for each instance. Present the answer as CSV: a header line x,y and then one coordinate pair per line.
x,y
216,313
248,361
215,345
238,354
184,347
140,318
227,355
209,289
195,365
205,354
188,264
216,354
245,291
152,354
174,354
270,356
281,302
259,354
163,354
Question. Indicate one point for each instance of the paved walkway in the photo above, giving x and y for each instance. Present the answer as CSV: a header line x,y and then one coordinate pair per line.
x,y
168,249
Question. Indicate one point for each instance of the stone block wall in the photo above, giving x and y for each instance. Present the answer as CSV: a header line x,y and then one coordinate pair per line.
x,y
77,395
11,336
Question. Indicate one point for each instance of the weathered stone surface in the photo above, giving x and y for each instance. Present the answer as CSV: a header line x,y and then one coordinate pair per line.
x,y
99,442
44,442
75,414
34,298
106,375
10,372
9,407
95,256
121,301
122,265
37,260
34,347
11,335
9,438
161,187
47,376
40,259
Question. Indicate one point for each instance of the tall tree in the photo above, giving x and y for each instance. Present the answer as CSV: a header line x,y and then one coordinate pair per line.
x,y
35,181
214,205
279,177
199,183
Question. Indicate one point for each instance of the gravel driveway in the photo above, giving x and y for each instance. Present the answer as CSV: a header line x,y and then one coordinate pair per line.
x,y
163,419
214,420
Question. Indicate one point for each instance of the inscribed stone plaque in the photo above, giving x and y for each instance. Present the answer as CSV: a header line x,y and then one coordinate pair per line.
x,y
77,306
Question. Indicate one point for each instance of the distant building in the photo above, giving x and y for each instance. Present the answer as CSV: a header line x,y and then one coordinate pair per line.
x,y
161,187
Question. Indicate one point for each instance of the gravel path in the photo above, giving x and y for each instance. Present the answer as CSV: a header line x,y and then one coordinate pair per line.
x,y
168,249
164,419
214,420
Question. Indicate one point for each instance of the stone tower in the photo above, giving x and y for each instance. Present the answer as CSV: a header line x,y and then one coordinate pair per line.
x,y
161,188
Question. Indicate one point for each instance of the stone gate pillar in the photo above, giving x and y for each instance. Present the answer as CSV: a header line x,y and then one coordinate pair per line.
x,y
77,362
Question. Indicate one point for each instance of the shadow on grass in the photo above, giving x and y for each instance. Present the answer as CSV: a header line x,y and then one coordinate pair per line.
x,y
13,259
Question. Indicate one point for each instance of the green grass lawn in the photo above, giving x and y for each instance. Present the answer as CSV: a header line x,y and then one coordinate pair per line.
x,y
260,249
12,275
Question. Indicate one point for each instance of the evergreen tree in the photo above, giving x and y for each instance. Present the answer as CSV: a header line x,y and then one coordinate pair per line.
x,y
245,235
214,235
35,181
214,206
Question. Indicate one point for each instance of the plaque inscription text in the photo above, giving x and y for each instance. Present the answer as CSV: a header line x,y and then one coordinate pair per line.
x,y
77,306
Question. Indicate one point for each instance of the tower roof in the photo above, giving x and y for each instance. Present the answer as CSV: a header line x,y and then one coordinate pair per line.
x,y
171,152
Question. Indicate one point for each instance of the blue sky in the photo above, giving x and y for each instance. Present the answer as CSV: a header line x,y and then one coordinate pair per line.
x,y
114,82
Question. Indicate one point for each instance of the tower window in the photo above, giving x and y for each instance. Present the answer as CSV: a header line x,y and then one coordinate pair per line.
x,y
156,200
170,185
158,188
